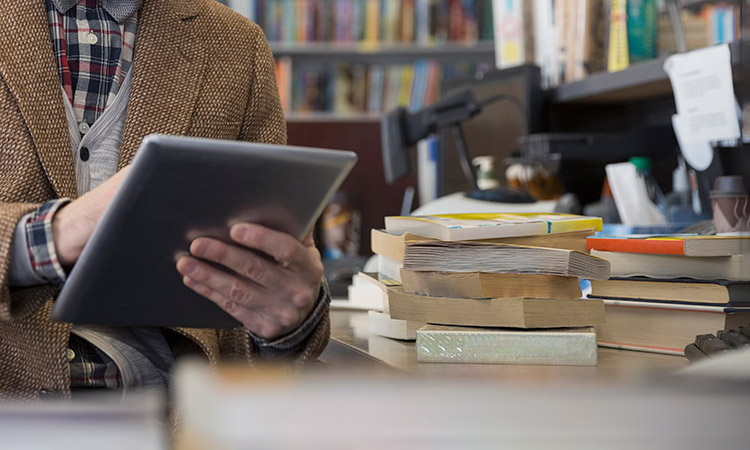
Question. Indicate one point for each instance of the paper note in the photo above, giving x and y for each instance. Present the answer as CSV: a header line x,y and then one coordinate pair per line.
x,y
697,153
704,94
631,197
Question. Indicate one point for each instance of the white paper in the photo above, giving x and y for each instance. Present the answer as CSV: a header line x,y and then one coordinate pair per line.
x,y
704,94
631,197
698,154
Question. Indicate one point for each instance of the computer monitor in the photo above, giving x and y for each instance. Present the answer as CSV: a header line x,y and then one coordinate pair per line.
x,y
494,131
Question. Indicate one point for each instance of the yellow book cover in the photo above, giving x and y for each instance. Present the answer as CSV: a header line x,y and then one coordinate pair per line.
x,y
489,225
372,21
407,78
618,57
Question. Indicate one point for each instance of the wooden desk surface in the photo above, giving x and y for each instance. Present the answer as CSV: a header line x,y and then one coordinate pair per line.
x,y
352,345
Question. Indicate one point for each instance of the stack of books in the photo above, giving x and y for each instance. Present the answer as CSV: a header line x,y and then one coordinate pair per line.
x,y
489,295
665,290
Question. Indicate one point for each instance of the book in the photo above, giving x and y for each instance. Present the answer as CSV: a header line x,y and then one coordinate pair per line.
x,y
642,30
674,244
393,245
556,346
453,256
367,291
676,266
618,54
389,268
456,227
489,285
734,293
495,312
381,324
663,328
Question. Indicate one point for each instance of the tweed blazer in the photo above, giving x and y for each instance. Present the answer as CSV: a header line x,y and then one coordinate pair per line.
x,y
199,70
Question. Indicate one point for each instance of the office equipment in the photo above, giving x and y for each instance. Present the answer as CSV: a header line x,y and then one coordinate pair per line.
x,y
179,189
553,346
708,345
495,312
496,130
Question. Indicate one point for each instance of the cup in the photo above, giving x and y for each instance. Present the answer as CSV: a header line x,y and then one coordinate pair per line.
x,y
731,205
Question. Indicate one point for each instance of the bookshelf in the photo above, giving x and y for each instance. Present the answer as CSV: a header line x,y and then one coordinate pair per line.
x,y
382,51
642,81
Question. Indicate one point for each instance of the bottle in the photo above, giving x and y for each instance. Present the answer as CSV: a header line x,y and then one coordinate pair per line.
x,y
643,167
486,178
678,203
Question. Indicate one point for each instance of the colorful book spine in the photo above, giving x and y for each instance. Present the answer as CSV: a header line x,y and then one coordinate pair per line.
x,y
661,246
642,30
618,57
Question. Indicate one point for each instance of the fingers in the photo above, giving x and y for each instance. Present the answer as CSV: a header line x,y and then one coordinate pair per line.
x,y
248,303
261,324
231,287
242,261
286,250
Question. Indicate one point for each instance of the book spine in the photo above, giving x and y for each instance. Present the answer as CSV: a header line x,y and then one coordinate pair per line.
x,y
509,32
642,29
651,246
618,58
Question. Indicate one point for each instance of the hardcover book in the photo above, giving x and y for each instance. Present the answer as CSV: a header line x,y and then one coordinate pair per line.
x,y
556,346
676,244
676,266
663,328
729,293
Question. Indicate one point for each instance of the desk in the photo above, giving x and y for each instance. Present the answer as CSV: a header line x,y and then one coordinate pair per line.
x,y
352,345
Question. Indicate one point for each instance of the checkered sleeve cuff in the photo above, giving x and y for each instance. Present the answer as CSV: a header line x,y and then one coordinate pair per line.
x,y
42,254
293,342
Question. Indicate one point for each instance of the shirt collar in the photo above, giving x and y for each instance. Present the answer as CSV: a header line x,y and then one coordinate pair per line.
x,y
120,10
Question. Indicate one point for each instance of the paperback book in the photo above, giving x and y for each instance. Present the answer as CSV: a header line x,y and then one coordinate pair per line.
x,y
458,227
450,256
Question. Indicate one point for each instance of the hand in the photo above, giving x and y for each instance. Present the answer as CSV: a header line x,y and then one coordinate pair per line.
x,y
72,225
274,283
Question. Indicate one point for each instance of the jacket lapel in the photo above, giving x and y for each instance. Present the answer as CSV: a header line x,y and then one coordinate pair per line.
x,y
168,69
29,68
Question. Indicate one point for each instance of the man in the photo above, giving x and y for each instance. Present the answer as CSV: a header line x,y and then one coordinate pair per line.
x,y
81,84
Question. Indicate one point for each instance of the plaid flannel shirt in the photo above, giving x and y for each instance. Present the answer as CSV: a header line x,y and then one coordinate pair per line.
x,y
93,42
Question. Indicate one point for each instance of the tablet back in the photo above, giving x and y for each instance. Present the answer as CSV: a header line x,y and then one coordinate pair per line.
x,y
177,190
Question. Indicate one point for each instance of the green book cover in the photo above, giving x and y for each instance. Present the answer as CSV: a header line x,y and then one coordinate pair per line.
x,y
643,30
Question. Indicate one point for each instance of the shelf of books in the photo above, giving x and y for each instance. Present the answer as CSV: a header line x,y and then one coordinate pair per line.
x,y
354,59
637,82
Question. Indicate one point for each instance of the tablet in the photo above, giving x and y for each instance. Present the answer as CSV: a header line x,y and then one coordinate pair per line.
x,y
179,189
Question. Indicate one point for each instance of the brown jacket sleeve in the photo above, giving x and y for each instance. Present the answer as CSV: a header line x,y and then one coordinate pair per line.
x,y
16,304
264,122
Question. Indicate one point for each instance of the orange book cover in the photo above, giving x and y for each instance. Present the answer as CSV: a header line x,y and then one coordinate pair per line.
x,y
671,244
